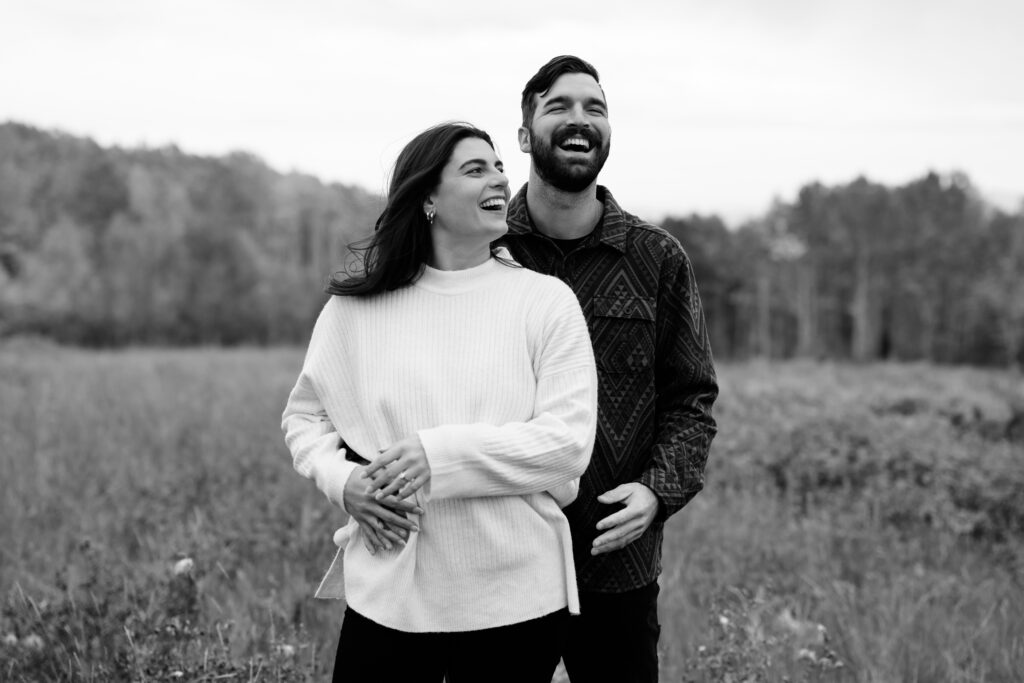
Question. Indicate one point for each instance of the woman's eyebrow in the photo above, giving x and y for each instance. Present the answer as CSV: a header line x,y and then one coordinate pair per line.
x,y
482,162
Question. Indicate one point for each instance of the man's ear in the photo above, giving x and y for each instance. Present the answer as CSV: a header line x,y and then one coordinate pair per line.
x,y
524,139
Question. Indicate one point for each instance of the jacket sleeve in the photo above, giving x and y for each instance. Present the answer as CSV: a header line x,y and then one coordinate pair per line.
x,y
309,433
685,386
550,451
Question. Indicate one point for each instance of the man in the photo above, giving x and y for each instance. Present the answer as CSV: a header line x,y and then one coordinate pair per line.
x,y
656,378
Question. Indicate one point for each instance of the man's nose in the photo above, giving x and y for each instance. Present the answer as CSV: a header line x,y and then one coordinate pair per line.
x,y
578,116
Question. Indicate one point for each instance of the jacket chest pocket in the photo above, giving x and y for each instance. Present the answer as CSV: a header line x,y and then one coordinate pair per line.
x,y
624,333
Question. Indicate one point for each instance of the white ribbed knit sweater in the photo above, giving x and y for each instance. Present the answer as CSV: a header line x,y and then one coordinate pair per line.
x,y
492,367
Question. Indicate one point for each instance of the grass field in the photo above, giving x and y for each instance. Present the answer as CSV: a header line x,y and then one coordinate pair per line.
x,y
860,523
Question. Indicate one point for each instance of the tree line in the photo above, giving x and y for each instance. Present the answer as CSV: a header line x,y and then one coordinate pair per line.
x,y
110,247
923,271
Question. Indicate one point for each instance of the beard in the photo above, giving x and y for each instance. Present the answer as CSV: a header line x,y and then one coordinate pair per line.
x,y
568,175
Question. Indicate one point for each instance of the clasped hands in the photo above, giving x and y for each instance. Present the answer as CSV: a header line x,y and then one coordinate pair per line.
x,y
379,496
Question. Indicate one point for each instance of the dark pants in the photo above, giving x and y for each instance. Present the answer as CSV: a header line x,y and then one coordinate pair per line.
x,y
526,652
615,638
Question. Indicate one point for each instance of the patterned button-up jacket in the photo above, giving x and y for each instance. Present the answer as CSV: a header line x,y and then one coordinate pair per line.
x,y
656,376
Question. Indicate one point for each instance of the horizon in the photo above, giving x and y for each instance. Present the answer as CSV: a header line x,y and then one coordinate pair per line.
x,y
670,215
715,110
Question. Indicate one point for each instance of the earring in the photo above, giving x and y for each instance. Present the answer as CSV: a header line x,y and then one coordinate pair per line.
x,y
430,216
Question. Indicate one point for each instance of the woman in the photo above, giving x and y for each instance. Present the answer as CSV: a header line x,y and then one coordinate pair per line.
x,y
472,382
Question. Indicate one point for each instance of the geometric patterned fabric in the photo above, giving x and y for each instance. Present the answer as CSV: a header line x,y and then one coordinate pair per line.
x,y
656,377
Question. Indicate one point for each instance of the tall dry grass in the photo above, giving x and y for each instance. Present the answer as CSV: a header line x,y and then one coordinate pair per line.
x,y
116,466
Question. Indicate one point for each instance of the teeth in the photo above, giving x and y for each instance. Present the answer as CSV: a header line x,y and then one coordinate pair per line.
x,y
577,141
496,203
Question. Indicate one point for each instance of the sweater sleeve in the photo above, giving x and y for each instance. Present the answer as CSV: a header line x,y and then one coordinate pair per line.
x,y
550,451
309,433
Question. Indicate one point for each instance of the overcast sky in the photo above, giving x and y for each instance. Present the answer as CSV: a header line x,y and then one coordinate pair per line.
x,y
715,106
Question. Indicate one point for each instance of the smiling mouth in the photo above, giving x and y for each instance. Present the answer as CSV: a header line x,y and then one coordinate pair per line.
x,y
576,143
493,204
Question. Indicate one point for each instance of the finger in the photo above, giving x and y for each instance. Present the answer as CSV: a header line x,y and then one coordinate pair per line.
x,y
373,528
389,475
391,489
402,481
370,539
619,537
382,539
400,505
612,546
392,535
616,519
381,477
383,459
409,488
396,521
616,495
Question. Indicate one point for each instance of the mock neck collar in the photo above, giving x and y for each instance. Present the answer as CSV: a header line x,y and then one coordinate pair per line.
x,y
466,279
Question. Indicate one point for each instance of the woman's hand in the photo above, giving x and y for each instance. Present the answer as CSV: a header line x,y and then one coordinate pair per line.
x,y
382,520
400,470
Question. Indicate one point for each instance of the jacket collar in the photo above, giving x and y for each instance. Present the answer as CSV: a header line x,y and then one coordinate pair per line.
x,y
611,231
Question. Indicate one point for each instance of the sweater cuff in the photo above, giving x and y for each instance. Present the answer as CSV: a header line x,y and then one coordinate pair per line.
x,y
448,448
331,472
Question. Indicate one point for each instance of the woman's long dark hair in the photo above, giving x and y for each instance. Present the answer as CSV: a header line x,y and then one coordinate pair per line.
x,y
401,243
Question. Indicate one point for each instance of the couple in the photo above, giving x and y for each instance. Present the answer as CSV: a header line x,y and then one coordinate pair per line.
x,y
527,434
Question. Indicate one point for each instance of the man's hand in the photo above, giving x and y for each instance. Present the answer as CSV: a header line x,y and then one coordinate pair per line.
x,y
626,525
383,521
400,470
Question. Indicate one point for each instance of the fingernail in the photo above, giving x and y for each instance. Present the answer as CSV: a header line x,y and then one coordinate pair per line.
x,y
415,528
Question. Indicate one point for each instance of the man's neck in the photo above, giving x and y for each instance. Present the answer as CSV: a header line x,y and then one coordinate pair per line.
x,y
562,215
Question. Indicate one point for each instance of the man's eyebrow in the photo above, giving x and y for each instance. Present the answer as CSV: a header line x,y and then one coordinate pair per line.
x,y
565,99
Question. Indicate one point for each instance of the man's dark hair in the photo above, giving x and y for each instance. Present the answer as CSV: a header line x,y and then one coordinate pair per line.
x,y
547,75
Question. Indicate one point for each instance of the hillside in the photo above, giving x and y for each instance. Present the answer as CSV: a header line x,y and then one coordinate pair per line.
x,y
109,246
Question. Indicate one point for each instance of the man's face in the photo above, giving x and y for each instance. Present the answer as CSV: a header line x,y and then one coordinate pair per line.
x,y
569,137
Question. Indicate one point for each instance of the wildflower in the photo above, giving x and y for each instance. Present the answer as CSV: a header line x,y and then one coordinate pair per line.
x,y
724,621
10,639
286,650
807,655
183,566
32,642
702,650
806,633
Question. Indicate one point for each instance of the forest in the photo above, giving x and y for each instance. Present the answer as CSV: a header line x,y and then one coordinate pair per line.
x,y
111,247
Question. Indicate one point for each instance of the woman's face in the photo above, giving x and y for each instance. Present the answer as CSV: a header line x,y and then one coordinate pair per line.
x,y
471,201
